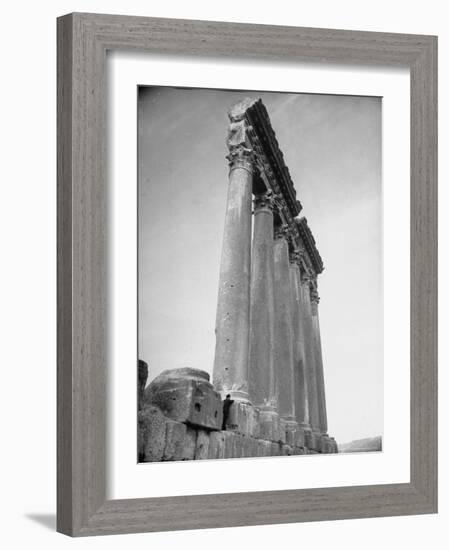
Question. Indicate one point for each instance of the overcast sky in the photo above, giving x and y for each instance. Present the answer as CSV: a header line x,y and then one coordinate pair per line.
x,y
332,146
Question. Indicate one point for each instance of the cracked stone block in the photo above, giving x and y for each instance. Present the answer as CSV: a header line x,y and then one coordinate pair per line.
x,y
269,425
243,418
216,445
186,395
202,445
175,440
151,434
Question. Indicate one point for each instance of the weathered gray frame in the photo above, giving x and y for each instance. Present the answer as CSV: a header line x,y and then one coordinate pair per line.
x,y
83,40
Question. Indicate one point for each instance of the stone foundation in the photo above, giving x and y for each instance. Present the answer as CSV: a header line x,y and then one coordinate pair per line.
x,y
181,418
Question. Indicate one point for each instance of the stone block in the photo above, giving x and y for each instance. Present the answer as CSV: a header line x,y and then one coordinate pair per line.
x,y
187,396
299,451
189,446
269,426
151,434
243,418
216,445
263,447
312,441
276,449
286,450
175,440
294,434
232,444
202,445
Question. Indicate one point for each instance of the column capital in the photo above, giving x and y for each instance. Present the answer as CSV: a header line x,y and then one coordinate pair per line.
x,y
295,257
241,157
282,231
264,200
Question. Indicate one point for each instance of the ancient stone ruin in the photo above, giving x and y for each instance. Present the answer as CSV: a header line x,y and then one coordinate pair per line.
x,y
268,395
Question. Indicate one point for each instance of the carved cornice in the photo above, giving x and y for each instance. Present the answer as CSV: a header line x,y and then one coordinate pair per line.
x,y
250,124
309,244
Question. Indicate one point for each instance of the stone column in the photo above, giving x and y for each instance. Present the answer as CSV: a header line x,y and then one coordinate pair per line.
x,y
319,364
262,382
300,380
310,357
283,345
230,374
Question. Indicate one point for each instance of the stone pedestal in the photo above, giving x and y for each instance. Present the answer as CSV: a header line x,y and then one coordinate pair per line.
x,y
233,308
187,396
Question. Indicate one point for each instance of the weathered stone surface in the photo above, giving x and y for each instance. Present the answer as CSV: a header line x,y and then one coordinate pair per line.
x,y
269,425
216,445
175,439
186,395
151,434
202,445
243,418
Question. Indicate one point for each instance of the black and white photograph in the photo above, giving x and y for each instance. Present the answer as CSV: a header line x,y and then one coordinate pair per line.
x,y
260,274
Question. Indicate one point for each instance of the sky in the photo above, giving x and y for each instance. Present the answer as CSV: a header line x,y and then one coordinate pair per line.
x,y
332,146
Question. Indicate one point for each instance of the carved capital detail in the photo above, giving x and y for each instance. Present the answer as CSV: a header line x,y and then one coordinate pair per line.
x,y
295,257
281,231
314,296
240,154
264,200
241,157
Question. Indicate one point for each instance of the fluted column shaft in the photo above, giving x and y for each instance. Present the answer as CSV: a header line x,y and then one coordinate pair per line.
x,y
262,380
230,373
312,390
300,380
283,347
319,366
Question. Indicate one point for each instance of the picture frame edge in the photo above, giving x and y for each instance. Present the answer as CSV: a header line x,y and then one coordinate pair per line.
x,y
82,508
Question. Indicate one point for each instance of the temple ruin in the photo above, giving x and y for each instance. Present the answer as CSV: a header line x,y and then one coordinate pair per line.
x,y
268,394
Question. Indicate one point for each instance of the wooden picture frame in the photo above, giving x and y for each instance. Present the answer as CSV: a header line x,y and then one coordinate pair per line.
x,y
83,40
